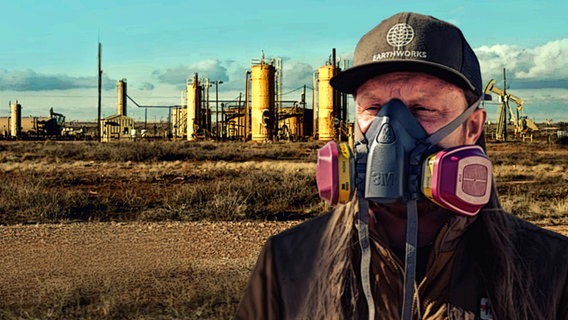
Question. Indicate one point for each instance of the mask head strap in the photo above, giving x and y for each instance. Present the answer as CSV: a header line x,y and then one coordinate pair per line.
x,y
437,136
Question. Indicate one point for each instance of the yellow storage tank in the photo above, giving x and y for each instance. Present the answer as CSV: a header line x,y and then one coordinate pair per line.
x,y
262,102
193,108
15,119
296,127
327,103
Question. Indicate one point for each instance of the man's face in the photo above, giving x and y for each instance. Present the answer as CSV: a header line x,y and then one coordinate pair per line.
x,y
432,101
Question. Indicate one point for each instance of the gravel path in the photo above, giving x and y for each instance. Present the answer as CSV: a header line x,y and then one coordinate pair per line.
x,y
38,261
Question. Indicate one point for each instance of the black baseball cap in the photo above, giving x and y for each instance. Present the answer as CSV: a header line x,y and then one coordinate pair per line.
x,y
411,42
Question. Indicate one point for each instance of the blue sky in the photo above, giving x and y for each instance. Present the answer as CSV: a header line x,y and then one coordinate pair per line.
x,y
49,56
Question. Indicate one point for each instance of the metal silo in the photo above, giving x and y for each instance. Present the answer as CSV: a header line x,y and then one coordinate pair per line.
x,y
295,126
262,102
121,93
328,102
15,119
193,108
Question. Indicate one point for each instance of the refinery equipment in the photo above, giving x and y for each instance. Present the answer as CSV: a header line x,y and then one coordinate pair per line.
x,y
178,121
261,114
327,103
192,119
195,126
52,126
121,94
331,116
263,117
31,127
295,122
235,118
15,119
272,117
523,127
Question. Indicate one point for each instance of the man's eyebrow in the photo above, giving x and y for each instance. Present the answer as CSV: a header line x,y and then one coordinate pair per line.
x,y
368,95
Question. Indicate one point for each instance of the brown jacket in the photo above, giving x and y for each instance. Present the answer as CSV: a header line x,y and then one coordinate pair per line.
x,y
457,272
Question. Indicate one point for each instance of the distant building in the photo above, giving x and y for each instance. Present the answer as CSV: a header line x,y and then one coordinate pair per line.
x,y
119,126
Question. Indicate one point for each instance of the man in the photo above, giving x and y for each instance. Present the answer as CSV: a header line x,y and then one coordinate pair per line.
x,y
404,246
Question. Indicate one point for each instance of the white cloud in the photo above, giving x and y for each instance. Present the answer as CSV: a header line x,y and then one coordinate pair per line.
x,y
29,80
494,58
297,74
210,68
549,61
546,64
146,86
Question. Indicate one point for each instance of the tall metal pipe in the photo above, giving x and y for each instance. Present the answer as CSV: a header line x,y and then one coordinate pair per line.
x,y
246,106
333,59
121,94
505,105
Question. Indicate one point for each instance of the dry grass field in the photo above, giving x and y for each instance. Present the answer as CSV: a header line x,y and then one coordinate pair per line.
x,y
158,234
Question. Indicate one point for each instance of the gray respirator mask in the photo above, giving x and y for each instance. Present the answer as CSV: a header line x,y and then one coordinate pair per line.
x,y
396,160
393,147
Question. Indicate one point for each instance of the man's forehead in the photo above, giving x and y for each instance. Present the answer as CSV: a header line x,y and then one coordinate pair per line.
x,y
410,82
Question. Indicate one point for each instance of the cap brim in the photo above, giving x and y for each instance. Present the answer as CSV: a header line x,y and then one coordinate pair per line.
x,y
351,79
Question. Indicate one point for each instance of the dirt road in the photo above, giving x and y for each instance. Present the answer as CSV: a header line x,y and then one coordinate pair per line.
x,y
64,265
126,265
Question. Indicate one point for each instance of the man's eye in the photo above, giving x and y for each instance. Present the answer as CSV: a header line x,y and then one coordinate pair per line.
x,y
421,110
374,107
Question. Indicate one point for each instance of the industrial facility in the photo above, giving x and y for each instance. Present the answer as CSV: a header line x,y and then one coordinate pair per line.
x,y
118,126
258,115
262,115
15,126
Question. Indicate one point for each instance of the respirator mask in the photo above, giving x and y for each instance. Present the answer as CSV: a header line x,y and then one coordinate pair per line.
x,y
397,161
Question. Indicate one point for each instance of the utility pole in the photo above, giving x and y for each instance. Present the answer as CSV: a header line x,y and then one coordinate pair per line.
x,y
217,83
100,74
505,105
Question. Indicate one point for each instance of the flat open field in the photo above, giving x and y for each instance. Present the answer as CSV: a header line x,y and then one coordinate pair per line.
x,y
151,268
190,270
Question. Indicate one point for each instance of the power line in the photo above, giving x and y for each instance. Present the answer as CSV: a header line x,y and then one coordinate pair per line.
x,y
297,89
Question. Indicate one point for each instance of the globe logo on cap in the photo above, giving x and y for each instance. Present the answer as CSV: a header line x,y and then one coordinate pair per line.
x,y
400,35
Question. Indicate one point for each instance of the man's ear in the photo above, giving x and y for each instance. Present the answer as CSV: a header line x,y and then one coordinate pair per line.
x,y
474,125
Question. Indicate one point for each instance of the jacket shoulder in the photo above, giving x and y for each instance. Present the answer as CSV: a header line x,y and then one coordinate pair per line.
x,y
527,229
307,230
537,241
296,247
295,253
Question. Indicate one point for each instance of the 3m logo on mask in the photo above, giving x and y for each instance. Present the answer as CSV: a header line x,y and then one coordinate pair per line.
x,y
383,179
